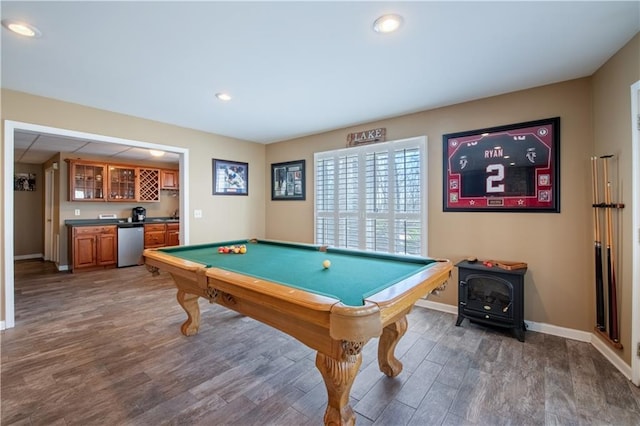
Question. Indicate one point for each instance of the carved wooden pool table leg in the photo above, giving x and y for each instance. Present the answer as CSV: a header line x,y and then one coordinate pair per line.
x,y
391,335
338,377
189,303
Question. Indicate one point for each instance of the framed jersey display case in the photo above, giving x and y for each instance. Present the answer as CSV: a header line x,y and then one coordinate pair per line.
x,y
513,168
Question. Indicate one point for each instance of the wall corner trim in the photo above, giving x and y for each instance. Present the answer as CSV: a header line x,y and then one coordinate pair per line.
x,y
611,356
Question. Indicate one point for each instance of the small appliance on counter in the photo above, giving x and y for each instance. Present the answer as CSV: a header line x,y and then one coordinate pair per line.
x,y
107,216
138,214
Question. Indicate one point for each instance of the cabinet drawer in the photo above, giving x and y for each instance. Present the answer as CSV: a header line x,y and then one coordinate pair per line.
x,y
155,235
86,230
173,226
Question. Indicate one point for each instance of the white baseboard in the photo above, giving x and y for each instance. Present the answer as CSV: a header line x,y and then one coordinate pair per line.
x,y
29,256
2,326
554,330
437,306
40,256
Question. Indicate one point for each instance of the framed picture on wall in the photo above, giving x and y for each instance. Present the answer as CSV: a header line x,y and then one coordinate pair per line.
x,y
513,168
24,182
288,180
230,178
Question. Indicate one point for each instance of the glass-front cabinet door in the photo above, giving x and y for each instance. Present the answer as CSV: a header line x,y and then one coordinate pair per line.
x,y
87,181
122,183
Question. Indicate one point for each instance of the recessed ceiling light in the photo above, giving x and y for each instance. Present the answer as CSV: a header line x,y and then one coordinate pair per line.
x,y
156,153
21,28
223,96
387,23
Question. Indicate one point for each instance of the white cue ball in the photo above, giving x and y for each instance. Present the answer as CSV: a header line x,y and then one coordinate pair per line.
x,y
326,264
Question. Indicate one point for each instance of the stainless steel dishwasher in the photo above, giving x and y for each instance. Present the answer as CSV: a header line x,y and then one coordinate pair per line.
x,y
130,244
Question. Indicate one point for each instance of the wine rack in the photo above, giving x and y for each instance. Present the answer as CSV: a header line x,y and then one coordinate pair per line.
x,y
149,184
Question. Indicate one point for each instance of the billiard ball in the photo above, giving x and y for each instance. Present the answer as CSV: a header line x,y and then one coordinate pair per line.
x,y
326,264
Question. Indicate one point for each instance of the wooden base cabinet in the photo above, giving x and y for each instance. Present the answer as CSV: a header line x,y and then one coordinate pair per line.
x,y
161,235
93,247
155,235
173,234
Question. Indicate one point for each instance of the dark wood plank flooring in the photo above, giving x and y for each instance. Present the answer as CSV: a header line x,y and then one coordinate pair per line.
x,y
104,348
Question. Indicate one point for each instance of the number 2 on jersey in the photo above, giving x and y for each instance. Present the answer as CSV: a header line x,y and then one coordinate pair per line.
x,y
495,178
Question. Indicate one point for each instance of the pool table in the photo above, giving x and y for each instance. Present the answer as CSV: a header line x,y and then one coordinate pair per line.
x,y
334,310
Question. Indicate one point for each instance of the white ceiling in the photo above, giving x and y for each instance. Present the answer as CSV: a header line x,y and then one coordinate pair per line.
x,y
299,68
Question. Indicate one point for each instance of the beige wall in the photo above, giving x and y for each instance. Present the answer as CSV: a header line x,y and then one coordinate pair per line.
x,y
224,217
557,247
28,211
612,135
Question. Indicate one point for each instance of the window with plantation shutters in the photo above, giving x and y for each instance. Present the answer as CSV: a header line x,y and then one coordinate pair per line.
x,y
372,197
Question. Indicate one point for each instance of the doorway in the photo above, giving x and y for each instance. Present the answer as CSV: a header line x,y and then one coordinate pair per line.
x,y
9,129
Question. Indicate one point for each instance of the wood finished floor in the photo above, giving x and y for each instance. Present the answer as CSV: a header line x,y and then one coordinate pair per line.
x,y
105,348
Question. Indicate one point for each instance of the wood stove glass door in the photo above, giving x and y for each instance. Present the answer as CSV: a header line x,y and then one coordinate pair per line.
x,y
488,295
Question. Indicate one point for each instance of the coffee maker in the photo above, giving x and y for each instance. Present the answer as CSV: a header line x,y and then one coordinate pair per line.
x,y
138,214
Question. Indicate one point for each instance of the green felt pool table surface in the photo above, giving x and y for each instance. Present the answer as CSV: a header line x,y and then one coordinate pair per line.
x,y
352,277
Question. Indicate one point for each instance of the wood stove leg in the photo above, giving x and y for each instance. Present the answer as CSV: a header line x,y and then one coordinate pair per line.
x,y
519,332
459,320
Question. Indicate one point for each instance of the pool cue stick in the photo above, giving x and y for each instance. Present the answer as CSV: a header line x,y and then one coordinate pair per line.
x,y
598,248
611,273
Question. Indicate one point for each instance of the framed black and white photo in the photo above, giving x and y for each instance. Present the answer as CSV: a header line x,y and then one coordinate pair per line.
x,y
287,180
24,182
230,177
513,168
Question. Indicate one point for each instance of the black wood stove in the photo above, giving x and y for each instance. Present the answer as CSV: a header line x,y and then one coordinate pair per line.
x,y
491,296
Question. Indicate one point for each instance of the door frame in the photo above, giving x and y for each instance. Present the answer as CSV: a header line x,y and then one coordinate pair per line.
x,y
10,127
635,229
49,185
